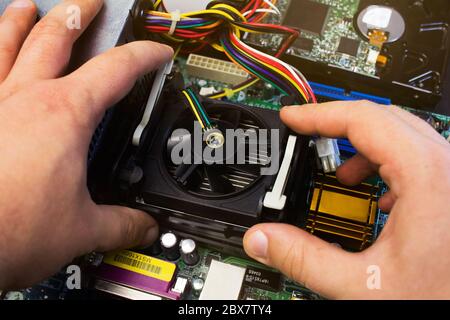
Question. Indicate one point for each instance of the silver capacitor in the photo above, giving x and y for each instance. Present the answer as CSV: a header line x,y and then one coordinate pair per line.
x,y
189,252
169,246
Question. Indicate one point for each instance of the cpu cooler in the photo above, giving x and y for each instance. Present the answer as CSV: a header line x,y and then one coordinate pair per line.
x,y
212,202
232,193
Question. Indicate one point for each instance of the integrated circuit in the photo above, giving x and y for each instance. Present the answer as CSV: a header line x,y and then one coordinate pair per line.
x,y
307,15
263,279
304,44
348,46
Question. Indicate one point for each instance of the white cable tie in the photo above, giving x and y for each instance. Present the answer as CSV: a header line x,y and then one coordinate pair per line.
x,y
176,17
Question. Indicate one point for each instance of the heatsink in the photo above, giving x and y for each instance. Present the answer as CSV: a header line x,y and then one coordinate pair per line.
x,y
342,215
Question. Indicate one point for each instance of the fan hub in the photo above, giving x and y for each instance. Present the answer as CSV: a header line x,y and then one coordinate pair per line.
x,y
214,139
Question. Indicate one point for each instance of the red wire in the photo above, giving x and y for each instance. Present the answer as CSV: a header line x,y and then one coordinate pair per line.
x,y
252,6
180,32
202,45
305,86
260,16
255,7
274,26
248,6
263,58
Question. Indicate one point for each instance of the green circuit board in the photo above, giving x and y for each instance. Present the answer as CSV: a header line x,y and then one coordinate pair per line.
x,y
54,288
324,47
288,290
260,95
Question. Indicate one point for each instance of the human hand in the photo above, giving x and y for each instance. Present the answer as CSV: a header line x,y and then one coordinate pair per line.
x,y
413,251
47,217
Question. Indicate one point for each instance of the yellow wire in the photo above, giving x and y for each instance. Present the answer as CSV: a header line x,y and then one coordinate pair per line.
x,y
216,46
157,3
193,14
203,12
159,14
194,109
173,38
234,91
247,30
211,26
237,12
177,51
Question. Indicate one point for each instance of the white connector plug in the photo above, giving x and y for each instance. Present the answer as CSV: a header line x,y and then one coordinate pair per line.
x,y
328,153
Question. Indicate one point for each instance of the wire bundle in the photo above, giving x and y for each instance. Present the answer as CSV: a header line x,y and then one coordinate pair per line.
x,y
197,109
221,26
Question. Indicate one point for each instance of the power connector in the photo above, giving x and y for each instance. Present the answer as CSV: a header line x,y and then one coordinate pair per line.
x,y
328,153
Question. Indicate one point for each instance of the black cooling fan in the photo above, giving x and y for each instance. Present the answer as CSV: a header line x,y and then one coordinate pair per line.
x,y
226,175
229,191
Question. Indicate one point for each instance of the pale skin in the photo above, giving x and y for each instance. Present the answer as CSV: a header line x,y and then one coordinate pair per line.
x,y
47,217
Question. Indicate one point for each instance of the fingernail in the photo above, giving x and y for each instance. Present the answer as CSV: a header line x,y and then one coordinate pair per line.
x,y
150,237
168,48
257,244
297,106
287,108
21,4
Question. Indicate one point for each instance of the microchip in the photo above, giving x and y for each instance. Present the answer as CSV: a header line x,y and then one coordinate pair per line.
x,y
348,46
223,282
307,15
304,44
262,279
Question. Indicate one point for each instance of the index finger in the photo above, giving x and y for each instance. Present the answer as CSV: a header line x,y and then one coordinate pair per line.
x,y
379,135
106,79
47,50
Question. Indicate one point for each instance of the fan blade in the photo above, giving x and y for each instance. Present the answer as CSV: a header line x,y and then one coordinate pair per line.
x,y
257,155
233,117
219,184
185,174
252,169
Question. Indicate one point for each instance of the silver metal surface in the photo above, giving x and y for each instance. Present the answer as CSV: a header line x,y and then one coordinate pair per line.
x,y
197,284
124,292
105,31
188,246
189,252
168,240
169,246
382,18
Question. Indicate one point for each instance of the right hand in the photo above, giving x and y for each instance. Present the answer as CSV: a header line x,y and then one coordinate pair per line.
x,y
413,250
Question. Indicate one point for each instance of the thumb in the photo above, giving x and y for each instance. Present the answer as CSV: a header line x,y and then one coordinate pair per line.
x,y
318,265
120,228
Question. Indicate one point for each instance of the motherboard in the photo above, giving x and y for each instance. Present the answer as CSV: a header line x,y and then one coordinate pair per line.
x,y
205,210
187,279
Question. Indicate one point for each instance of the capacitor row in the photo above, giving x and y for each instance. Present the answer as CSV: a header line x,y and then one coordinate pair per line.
x,y
173,249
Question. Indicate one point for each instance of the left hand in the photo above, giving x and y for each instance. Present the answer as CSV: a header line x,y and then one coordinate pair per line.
x,y
47,217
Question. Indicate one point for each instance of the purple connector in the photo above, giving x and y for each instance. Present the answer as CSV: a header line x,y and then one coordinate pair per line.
x,y
136,281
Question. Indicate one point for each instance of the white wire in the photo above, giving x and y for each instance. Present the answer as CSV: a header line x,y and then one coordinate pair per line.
x,y
303,78
262,10
274,7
